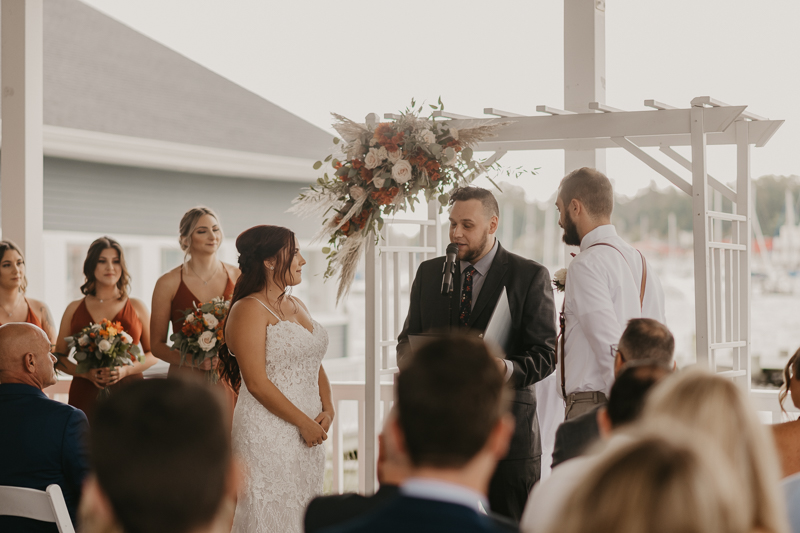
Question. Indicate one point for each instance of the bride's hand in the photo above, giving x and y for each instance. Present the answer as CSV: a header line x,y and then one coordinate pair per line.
x,y
313,433
324,419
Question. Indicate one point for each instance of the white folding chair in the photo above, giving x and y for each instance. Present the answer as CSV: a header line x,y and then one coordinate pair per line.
x,y
45,505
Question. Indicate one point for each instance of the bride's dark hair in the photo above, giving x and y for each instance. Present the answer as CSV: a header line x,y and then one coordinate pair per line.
x,y
255,246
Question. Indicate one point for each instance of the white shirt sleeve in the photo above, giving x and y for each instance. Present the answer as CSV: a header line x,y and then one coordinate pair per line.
x,y
509,369
594,307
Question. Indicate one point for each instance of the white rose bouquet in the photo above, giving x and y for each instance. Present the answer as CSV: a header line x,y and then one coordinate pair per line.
x,y
201,335
103,345
560,279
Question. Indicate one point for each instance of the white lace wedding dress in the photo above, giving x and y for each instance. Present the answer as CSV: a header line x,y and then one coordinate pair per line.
x,y
282,473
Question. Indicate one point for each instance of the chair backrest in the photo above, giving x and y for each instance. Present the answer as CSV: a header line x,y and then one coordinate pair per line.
x,y
45,505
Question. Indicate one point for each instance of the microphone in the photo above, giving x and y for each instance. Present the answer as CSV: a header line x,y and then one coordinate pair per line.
x,y
449,268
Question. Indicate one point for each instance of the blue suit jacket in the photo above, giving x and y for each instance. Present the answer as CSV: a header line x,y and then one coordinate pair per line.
x,y
404,514
41,443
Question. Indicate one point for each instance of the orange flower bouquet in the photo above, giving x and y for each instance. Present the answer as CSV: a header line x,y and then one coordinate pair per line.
x,y
103,345
201,334
378,169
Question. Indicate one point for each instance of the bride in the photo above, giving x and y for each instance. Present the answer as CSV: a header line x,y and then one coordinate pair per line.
x,y
284,408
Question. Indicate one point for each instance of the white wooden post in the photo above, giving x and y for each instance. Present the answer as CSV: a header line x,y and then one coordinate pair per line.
x,y
367,466
744,206
702,296
584,76
21,165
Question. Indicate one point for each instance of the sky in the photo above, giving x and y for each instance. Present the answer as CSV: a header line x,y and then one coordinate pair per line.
x,y
355,57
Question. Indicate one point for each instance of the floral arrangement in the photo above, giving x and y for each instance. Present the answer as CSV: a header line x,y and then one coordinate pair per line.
x,y
378,169
560,279
103,345
201,334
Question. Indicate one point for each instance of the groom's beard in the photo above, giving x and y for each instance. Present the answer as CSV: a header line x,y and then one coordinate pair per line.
x,y
570,236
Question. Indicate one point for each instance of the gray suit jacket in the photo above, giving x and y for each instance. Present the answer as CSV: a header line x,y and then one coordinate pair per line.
x,y
574,436
531,346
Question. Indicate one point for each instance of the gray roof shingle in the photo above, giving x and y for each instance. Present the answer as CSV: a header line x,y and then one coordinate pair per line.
x,y
100,75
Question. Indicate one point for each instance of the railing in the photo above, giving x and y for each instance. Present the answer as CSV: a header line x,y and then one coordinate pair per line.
x,y
766,401
351,391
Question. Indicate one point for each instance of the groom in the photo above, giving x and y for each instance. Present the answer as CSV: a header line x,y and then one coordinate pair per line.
x,y
482,270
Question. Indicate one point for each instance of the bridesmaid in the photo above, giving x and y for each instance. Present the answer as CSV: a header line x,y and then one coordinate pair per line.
x,y
14,305
198,280
107,287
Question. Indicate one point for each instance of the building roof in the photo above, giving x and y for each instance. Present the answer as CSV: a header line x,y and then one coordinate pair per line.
x,y
103,76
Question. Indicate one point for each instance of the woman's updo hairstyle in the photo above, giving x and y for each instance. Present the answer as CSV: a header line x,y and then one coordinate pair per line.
x,y
255,246
189,223
6,245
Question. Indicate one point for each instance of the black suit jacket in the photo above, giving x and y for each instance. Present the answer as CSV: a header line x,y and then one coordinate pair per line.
x,y
531,345
327,511
403,514
574,436
41,443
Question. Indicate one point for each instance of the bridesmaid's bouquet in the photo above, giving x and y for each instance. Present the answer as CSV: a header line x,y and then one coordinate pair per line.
x,y
103,345
201,334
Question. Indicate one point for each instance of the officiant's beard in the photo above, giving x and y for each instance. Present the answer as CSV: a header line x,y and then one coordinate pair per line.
x,y
570,236
472,254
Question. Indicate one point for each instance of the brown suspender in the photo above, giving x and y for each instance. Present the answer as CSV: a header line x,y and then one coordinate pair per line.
x,y
562,320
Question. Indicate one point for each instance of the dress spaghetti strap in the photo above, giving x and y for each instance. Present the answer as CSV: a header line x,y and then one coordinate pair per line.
x,y
264,306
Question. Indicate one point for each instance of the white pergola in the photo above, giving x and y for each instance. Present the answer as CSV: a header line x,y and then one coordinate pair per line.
x,y
584,130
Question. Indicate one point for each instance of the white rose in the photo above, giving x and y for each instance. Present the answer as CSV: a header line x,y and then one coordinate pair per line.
x,y
372,159
358,192
395,156
83,341
104,345
190,319
211,320
378,182
95,327
560,276
127,339
427,137
207,340
401,172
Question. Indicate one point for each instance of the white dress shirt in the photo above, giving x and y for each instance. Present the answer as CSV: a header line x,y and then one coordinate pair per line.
x,y
442,491
601,295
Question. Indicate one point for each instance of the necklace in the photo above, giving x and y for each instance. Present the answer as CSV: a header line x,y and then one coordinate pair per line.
x,y
205,281
16,301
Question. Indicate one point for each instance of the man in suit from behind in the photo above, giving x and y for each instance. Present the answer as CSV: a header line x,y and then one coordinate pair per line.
x,y
42,440
483,268
453,424
393,469
643,339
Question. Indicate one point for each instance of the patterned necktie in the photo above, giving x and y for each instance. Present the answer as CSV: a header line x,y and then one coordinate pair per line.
x,y
466,297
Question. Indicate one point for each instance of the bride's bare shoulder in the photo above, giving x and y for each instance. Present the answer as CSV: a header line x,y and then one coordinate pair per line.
x,y
250,309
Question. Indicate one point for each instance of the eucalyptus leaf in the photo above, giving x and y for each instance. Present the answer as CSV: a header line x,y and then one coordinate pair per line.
x,y
336,140
328,158
326,250
317,165
466,153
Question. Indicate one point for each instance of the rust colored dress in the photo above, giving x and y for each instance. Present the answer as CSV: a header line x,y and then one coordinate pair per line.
x,y
184,299
31,318
82,392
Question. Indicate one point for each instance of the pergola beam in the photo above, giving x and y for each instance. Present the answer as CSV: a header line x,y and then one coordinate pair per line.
x,y
553,110
654,163
726,191
598,106
606,125
500,113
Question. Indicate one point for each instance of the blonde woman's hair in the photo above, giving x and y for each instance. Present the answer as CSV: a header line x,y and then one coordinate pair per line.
x,y
791,371
189,223
661,482
716,407
6,245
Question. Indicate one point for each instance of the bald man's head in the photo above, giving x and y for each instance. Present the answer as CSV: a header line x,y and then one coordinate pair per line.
x,y
25,355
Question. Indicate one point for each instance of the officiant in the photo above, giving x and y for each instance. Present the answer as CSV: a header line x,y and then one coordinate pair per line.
x,y
483,268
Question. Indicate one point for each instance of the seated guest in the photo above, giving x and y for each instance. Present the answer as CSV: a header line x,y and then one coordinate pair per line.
x,y
393,469
787,435
643,338
662,481
42,440
161,461
625,404
453,424
714,407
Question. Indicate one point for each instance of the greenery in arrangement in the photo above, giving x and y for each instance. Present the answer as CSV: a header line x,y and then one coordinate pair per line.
x,y
202,333
380,168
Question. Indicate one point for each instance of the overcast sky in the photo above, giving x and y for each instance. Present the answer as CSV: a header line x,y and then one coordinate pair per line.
x,y
355,57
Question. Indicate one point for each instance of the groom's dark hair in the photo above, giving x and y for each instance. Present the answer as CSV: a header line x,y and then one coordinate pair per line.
x,y
161,452
449,398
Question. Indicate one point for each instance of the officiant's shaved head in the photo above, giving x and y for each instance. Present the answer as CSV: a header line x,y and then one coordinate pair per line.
x,y
592,188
